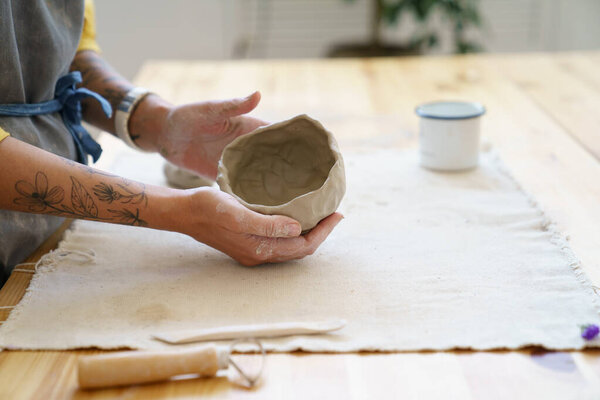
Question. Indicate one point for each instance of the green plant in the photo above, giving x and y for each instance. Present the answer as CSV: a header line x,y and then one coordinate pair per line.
x,y
459,14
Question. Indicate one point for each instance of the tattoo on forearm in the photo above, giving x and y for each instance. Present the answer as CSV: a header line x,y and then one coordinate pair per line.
x,y
114,96
127,195
88,169
97,75
39,197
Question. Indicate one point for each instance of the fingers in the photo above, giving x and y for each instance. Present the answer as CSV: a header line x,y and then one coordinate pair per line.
x,y
320,232
249,237
235,107
284,249
270,226
306,245
234,217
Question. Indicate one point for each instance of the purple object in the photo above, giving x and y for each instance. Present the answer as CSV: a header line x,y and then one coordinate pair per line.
x,y
590,332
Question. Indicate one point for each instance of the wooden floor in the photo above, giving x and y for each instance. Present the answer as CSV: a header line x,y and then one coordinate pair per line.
x,y
544,118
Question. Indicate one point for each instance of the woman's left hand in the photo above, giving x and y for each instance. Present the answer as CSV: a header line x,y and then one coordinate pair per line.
x,y
194,135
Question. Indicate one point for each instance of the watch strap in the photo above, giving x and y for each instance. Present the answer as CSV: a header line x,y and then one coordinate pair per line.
x,y
123,113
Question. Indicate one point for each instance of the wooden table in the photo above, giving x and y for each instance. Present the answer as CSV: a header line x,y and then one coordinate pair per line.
x,y
544,118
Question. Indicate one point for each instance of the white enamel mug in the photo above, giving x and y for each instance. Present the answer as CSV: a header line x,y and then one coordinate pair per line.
x,y
449,134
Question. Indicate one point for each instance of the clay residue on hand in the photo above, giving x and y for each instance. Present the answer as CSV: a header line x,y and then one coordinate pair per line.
x,y
265,248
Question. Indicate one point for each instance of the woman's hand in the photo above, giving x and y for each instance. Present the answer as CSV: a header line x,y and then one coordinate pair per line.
x,y
221,222
191,136
194,135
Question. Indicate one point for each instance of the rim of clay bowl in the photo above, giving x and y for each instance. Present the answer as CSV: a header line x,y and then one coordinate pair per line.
x,y
333,146
450,110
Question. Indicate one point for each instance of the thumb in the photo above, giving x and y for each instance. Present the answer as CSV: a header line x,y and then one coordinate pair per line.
x,y
237,218
235,107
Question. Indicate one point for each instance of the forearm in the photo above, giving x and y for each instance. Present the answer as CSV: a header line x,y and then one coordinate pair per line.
x,y
35,181
148,119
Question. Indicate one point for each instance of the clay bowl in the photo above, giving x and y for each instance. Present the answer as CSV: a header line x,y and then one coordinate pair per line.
x,y
291,168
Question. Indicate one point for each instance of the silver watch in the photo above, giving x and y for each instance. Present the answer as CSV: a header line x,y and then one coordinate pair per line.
x,y
123,112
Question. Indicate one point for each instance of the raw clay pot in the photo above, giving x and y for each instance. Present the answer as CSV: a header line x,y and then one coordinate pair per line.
x,y
291,168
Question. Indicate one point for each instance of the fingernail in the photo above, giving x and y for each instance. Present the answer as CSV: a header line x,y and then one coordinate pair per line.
x,y
292,230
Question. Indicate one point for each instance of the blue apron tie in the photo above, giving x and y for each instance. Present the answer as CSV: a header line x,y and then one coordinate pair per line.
x,y
67,101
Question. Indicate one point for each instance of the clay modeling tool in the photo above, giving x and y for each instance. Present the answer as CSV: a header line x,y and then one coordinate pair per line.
x,y
135,367
251,331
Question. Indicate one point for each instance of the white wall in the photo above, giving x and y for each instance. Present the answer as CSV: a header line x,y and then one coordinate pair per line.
x,y
131,31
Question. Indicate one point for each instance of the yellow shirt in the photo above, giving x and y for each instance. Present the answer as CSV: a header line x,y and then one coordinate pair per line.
x,y
3,134
88,35
87,41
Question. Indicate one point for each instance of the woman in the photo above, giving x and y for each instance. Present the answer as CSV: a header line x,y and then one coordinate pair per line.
x,y
50,63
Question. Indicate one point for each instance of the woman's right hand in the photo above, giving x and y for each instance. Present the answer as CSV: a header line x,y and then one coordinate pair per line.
x,y
36,181
220,221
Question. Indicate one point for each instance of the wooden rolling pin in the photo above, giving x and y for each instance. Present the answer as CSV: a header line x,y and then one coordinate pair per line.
x,y
133,367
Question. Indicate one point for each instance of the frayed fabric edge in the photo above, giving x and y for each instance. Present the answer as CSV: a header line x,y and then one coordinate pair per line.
x,y
47,264
557,238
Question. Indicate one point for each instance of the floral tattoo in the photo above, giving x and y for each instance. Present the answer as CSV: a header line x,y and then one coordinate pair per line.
x,y
107,193
40,197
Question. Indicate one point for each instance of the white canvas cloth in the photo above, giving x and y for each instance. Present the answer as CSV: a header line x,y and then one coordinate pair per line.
x,y
423,260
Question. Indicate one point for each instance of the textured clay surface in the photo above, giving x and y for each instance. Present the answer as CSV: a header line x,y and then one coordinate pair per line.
x,y
291,168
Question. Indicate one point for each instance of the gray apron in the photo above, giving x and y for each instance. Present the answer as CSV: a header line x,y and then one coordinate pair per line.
x,y
39,42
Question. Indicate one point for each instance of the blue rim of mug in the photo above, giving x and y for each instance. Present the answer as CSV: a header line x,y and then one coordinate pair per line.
x,y
476,110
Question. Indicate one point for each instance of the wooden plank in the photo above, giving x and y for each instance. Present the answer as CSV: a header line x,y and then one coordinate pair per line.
x,y
518,376
468,375
366,103
582,66
565,88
